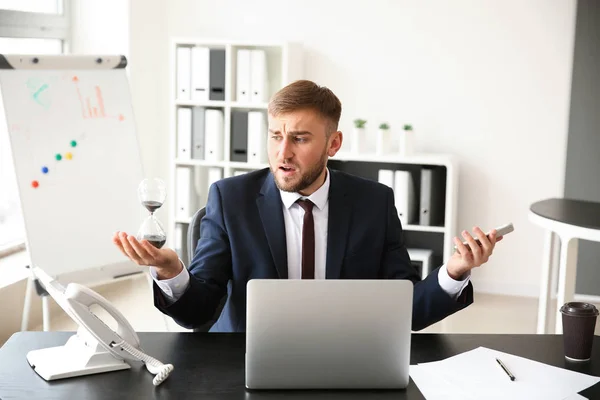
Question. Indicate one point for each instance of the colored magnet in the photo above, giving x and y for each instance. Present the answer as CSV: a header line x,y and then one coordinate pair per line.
x,y
45,170
58,157
35,184
69,156
73,143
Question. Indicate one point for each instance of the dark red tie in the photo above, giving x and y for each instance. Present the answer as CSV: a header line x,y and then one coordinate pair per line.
x,y
308,240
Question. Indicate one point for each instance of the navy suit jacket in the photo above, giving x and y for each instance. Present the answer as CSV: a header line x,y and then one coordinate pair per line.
x,y
243,238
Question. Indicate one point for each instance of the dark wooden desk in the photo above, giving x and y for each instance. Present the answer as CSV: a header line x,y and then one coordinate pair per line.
x,y
211,366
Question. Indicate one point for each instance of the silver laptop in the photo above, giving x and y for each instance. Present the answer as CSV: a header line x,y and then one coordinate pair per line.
x,y
328,334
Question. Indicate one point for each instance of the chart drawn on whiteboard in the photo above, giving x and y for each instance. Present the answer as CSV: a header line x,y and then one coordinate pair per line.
x,y
90,108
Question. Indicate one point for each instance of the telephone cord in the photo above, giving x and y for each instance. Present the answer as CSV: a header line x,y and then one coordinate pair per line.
x,y
161,370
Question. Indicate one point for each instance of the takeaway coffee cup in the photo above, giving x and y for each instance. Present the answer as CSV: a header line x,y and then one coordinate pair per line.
x,y
579,321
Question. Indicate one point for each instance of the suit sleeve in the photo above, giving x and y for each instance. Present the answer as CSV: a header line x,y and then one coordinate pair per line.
x,y
210,270
430,302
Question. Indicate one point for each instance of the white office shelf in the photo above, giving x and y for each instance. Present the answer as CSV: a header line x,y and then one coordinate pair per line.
x,y
251,106
208,103
417,159
424,228
199,163
284,63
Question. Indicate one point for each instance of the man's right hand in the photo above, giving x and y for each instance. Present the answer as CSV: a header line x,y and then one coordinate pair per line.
x,y
165,260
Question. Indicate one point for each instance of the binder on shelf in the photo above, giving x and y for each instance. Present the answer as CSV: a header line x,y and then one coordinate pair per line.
x,y
184,133
421,260
217,74
185,195
198,126
184,64
200,71
257,137
239,136
432,200
213,135
258,77
386,176
404,195
425,198
214,174
242,84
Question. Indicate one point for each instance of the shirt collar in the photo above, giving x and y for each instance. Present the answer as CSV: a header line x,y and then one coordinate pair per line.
x,y
319,197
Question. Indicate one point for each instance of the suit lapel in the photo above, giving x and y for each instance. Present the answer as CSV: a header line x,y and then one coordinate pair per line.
x,y
337,226
271,213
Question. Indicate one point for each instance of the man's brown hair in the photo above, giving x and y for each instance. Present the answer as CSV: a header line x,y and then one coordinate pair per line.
x,y
305,94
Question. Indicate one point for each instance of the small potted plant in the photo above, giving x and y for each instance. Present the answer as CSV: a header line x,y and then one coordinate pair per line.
x,y
384,139
407,140
358,135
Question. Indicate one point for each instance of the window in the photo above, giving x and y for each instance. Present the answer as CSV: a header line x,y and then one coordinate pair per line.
x,y
36,6
26,27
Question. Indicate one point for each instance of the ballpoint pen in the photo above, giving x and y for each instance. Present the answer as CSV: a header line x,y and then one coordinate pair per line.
x,y
510,375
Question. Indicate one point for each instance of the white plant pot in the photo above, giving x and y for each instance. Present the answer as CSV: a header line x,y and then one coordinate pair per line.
x,y
383,141
407,143
357,140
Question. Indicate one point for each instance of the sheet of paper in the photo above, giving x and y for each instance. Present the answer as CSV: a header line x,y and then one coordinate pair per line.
x,y
477,374
435,387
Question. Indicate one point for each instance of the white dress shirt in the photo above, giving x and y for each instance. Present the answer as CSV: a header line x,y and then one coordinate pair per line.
x,y
293,216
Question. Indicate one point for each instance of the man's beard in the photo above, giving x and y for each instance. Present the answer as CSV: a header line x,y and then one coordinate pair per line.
x,y
306,179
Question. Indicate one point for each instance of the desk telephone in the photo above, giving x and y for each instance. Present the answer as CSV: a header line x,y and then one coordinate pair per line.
x,y
95,348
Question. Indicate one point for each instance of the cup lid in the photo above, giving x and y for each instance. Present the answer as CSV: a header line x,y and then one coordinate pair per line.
x,y
579,309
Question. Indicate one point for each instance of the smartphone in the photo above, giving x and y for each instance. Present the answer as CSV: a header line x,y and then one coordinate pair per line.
x,y
500,231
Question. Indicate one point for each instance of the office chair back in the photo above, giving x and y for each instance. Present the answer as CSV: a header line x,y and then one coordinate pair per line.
x,y
193,236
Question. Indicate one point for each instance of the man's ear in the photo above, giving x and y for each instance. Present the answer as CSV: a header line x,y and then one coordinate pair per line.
x,y
335,143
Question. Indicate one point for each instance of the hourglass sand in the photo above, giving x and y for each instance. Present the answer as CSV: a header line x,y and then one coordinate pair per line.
x,y
152,194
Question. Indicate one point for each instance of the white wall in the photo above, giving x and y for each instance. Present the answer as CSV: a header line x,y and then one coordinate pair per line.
x,y
487,81
149,82
99,27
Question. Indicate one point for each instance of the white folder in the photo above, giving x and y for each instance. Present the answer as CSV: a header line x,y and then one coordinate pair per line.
x,y
258,77
200,73
214,174
213,135
257,137
243,76
184,64
184,133
386,176
404,195
185,195
425,198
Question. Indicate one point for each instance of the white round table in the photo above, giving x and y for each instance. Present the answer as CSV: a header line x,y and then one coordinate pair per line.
x,y
571,220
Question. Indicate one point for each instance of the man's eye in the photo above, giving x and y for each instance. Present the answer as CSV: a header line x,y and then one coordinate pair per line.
x,y
276,137
300,140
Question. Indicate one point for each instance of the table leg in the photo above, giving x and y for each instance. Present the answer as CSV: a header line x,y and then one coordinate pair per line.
x,y
566,276
545,283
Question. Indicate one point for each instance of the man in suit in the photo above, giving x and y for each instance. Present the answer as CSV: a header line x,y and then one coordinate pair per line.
x,y
299,220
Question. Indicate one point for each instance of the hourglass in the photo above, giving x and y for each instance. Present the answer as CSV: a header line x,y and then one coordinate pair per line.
x,y
152,194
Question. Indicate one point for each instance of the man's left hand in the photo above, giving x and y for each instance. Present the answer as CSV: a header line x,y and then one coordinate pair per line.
x,y
465,258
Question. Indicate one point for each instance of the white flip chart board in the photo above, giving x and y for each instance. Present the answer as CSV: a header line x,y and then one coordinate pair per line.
x,y
74,145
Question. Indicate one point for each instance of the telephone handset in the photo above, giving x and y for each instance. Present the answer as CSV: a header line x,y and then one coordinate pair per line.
x,y
102,348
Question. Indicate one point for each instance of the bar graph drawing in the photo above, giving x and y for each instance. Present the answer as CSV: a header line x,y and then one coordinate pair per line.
x,y
93,107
